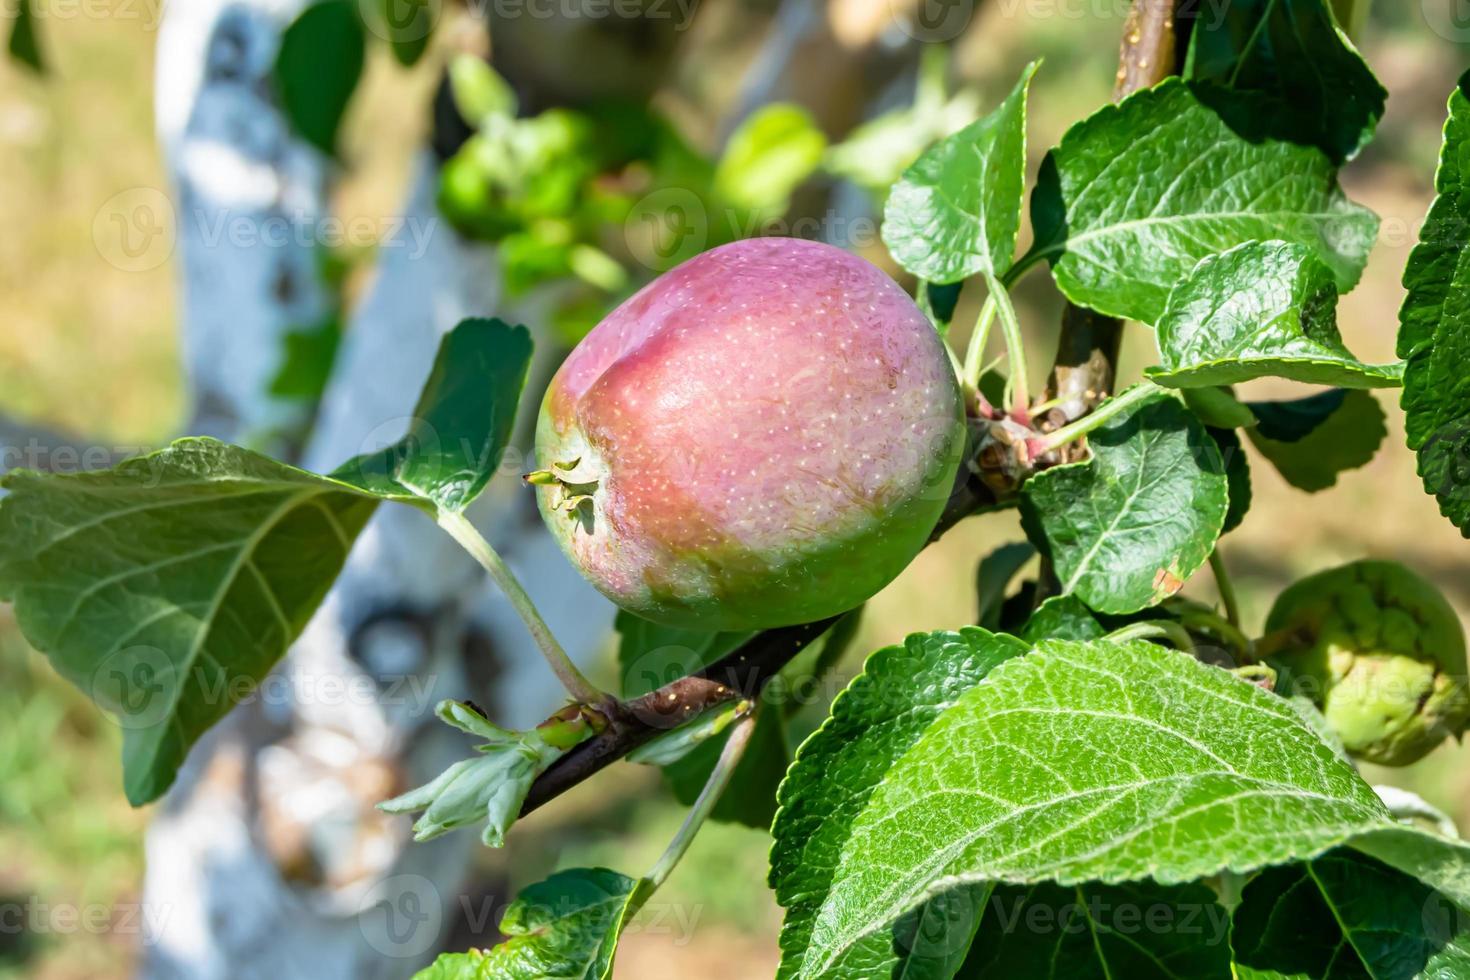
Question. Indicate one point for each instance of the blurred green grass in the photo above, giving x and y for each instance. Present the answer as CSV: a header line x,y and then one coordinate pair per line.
x,y
93,349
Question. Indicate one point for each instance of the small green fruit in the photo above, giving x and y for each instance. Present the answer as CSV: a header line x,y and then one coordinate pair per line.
x,y
1380,651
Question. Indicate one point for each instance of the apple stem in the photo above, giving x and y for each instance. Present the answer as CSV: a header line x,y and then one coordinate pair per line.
x,y
976,349
1149,629
1017,396
582,690
1226,588
718,780
1112,407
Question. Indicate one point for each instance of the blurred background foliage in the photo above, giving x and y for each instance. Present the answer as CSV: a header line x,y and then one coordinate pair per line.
x,y
89,348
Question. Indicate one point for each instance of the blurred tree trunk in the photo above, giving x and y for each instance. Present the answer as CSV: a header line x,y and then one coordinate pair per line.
x,y
269,855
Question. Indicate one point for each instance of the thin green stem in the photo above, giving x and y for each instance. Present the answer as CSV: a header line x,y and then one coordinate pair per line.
x,y
1109,409
1020,268
1017,396
708,797
1209,621
1161,628
1226,587
978,339
579,687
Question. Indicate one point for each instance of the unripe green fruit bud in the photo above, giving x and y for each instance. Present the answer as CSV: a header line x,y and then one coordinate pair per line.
x,y
1380,651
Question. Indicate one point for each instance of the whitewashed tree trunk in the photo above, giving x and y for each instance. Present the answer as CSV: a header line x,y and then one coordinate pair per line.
x,y
268,858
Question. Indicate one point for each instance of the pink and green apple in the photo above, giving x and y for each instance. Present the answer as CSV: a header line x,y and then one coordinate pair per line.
x,y
765,435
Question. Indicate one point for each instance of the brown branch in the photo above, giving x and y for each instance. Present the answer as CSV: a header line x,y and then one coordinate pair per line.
x,y
1087,353
1147,56
743,673
1086,365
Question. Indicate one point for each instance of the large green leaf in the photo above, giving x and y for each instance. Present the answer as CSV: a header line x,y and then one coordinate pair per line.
x,y
1140,192
1434,327
1344,915
167,587
317,68
1097,761
1345,438
957,210
1321,90
879,716
1260,309
1137,930
1125,528
563,928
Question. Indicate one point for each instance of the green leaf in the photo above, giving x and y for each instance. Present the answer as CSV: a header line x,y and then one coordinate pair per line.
x,y
879,716
168,586
409,25
1137,194
1237,476
1295,419
1062,617
1344,440
651,655
677,743
479,90
1434,327
1127,527
1141,931
1218,408
1261,309
768,156
307,362
25,45
938,303
1345,915
317,68
1097,761
1321,90
994,576
957,210
1439,862
564,927
750,799
462,424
